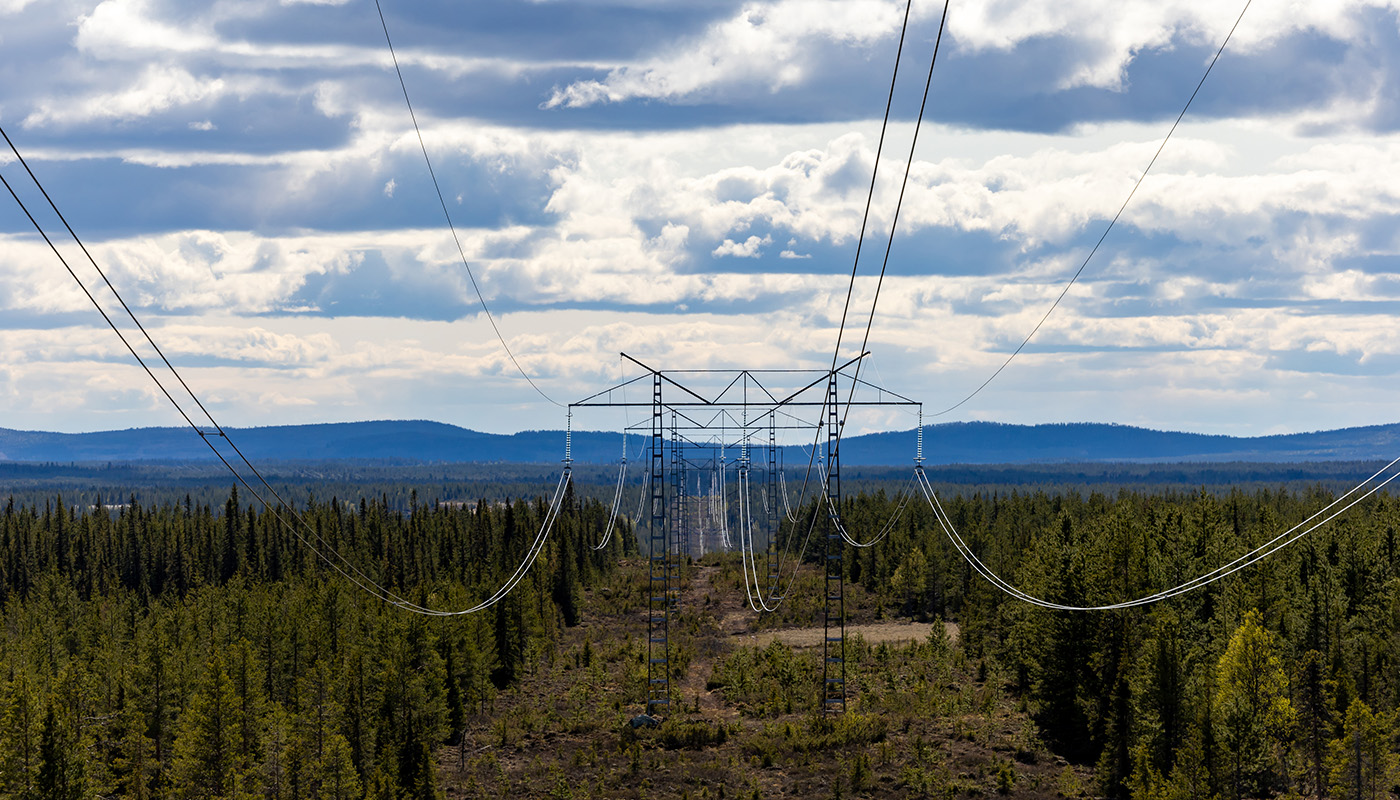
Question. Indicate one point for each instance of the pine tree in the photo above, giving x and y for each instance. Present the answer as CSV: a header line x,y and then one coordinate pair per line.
x,y
1362,765
275,768
1252,704
336,775
566,588
456,713
1163,694
1063,668
133,760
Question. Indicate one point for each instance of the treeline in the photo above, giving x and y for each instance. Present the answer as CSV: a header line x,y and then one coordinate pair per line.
x,y
397,484
1282,679
183,651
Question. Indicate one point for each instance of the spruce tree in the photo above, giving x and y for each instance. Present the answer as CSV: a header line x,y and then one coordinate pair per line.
x,y
207,742
60,774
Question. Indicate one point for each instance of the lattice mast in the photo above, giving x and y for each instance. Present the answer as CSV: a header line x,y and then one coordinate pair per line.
x,y
694,416
773,514
680,533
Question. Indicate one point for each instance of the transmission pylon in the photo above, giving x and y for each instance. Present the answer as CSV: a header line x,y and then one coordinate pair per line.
x,y
680,533
774,518
701,403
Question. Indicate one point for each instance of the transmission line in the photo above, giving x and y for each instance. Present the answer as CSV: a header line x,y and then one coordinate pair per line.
x,y
446,215
750,552
870,196
903,503
1265,550
860,240
617,496
1107,228
894,224
344,567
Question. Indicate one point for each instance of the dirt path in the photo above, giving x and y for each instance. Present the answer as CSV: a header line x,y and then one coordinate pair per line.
x,y
731,618
874,634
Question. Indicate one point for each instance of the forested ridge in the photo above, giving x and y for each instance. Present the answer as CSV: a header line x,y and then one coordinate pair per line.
x,y
186,651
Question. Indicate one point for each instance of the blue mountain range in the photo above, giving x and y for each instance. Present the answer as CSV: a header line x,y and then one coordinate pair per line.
x,y
418,441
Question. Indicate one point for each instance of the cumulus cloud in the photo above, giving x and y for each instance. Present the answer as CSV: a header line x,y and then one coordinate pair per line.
x,y
714,225
158,89
745,249
772,43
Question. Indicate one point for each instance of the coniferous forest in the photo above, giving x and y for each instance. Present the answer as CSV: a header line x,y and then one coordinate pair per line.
x,y
181,650
1280,680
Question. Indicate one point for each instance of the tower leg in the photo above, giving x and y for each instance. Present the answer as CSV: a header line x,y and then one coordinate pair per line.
x,y
659,569
774,516
833,557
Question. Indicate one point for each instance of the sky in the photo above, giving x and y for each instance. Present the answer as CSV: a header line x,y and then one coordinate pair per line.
x,y
685,182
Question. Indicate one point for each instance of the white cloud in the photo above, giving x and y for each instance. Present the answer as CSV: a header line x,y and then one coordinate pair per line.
x,y
158,89
1110,35
745,249
127,25
775,44
770,43
1292,231
131,30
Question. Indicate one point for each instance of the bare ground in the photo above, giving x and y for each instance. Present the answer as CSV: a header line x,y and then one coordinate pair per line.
x,y
889,632
545,739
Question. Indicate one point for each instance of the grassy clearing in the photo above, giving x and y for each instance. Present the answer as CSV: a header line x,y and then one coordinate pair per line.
x,y
924,720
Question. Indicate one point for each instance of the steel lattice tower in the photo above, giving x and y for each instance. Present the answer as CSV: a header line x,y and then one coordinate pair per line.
x,y
679,532
705,402
774,515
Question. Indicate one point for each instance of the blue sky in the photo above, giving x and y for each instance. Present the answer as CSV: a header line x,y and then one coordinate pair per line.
x,y
684,182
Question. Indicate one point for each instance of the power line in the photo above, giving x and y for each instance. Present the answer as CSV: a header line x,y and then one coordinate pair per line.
x,y
1265,550
860,240
443,202
894,223
617,499
349,570
870,196
787,551
204,436
885,529
1110,225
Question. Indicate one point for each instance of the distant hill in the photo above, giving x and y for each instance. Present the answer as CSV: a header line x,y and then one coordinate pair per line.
x,y
996,443
420,441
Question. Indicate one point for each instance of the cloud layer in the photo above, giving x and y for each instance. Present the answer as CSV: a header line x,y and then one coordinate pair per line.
x,y
686,183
